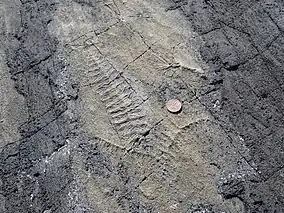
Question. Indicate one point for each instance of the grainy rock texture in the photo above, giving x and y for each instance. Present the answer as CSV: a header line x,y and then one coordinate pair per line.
x,y
83,122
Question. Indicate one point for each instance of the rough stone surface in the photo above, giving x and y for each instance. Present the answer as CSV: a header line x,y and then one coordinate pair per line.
x,y
83,122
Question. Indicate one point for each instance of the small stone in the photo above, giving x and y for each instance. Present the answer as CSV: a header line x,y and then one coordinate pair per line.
x,y
173,105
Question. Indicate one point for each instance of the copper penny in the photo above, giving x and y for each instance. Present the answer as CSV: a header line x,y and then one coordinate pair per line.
x,y
173,105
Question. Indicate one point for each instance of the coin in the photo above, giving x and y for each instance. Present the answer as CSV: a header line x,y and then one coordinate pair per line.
x,y
173,105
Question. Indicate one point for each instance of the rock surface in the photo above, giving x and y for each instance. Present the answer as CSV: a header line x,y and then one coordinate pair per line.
x,y
83,121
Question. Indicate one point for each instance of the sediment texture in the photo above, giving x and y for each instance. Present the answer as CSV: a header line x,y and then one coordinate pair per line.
x,y
83,121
